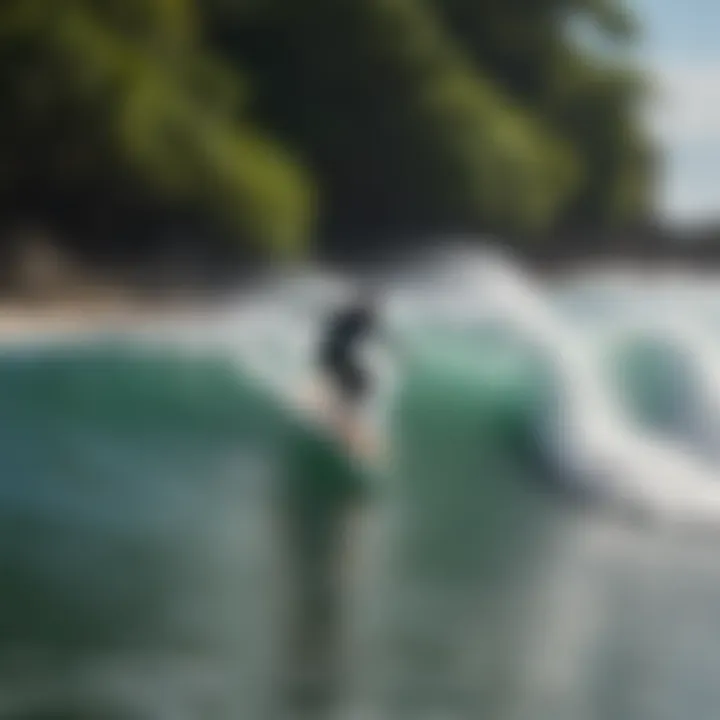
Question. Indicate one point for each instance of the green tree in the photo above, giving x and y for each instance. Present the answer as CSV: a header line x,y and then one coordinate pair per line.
x,y
122,92
375,116
400,128
533,50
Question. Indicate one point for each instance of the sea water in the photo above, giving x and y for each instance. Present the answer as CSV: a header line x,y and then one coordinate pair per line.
x,y
540,540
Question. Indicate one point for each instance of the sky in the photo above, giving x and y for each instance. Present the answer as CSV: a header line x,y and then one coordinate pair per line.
x,y
681,45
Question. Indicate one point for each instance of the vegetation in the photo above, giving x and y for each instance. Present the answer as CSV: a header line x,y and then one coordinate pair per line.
x,y
281,121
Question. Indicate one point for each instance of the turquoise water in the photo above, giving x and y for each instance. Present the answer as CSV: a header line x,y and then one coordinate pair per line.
x,y
540,542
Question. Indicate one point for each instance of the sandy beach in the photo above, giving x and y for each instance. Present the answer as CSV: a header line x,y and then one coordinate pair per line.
x,y
20,319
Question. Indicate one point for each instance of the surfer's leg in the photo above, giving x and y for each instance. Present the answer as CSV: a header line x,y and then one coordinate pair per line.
x,y
349,424
353,388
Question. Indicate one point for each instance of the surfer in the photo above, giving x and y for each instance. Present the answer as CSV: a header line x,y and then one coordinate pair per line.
x,y
324,516
346,378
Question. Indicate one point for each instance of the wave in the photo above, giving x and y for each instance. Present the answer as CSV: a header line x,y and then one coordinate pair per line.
x,y
137,477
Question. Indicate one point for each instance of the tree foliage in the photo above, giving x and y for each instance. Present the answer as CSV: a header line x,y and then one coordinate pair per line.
x,y
99,89
367,115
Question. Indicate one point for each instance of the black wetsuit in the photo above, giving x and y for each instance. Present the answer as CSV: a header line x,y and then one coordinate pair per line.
x,y
339,351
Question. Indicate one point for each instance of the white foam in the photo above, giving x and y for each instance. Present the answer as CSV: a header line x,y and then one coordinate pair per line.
x,y
589,433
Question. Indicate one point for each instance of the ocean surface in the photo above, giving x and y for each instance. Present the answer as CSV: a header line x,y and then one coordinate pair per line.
x,y
541,540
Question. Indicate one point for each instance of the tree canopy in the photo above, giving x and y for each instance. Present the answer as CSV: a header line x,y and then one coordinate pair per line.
x,y
283,121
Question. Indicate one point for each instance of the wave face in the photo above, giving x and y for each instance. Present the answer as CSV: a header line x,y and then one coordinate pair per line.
x,y
543,536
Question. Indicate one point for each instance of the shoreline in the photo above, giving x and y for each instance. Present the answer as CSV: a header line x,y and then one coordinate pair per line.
x,y
20,318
